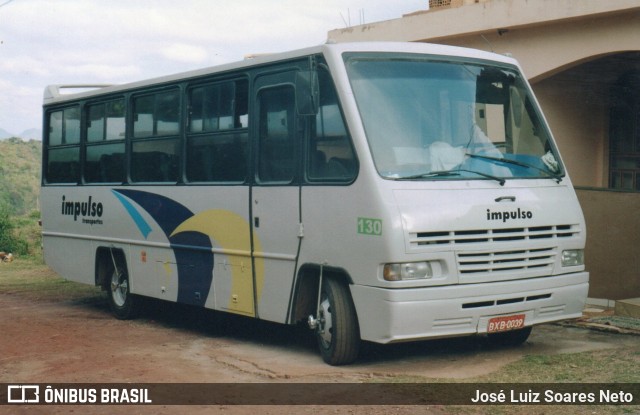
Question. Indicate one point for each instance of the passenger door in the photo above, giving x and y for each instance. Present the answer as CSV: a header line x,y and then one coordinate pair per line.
x,y
275,198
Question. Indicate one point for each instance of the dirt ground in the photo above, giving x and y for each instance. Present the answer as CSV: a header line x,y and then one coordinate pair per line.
x,y
79,341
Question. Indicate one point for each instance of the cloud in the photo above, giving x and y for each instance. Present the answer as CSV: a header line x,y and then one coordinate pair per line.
x,y
87,41
181,52
23,65
102,72
20,106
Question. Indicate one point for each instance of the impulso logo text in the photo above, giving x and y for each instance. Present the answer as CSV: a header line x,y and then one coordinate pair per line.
x,y
506,215
90,211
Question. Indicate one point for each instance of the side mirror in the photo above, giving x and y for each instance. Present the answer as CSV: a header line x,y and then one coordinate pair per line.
x,y
307,92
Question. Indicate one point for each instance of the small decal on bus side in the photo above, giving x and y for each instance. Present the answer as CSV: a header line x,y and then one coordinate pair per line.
x,y
368,226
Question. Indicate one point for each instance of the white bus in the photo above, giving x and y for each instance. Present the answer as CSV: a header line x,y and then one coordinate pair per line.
x,y
382,192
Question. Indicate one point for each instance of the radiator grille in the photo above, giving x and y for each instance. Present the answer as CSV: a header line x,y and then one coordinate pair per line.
x,y
494,263
493,235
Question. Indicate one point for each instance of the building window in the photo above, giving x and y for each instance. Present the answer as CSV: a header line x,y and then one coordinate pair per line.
x,y
624,134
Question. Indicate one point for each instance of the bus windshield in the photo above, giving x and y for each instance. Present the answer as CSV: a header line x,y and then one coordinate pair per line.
x,y
429,119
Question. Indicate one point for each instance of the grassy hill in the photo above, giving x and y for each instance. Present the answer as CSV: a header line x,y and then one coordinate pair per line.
x,y
19,175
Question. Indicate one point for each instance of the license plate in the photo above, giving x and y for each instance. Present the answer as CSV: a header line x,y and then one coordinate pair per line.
x,y
506,323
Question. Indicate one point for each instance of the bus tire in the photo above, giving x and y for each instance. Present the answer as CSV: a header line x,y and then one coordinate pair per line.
x,y
509,338
338,334
121,301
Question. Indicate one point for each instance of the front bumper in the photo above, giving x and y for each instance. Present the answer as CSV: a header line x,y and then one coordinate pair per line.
x,y
397,315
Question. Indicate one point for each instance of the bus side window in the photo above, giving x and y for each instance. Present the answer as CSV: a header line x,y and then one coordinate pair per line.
x,y
155,148
217,136
330,155
63,146
217,158
276,158
105,147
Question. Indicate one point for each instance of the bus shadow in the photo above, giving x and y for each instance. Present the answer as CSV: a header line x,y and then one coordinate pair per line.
x,y
449,348
217,324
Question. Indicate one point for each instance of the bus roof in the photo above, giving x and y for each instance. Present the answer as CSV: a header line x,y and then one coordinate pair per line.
x,y
53,93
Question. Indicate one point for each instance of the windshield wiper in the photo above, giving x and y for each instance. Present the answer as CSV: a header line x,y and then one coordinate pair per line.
x,y
488,176
504,160
456,172
438,173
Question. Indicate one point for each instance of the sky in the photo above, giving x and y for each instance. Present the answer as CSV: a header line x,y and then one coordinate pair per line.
x,y
46,42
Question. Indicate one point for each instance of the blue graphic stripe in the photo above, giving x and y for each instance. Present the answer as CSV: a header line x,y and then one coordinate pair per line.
x,y
167,213
144,227
192,250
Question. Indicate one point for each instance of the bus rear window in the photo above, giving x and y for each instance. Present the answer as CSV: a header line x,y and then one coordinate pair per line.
x,y
63,146
64,126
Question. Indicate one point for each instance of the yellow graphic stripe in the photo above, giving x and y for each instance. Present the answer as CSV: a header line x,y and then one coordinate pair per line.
x,y
231,232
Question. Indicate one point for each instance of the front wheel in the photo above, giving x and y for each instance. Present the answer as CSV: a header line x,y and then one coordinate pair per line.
x,y
121,301
338,334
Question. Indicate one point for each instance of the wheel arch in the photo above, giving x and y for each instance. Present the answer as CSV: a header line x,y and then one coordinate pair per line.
x,y
105,255
305,294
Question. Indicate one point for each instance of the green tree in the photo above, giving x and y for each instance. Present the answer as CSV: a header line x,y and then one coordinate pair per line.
x,y
8,241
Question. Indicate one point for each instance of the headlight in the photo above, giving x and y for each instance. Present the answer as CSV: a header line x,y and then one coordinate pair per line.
x,y
407,271
572,257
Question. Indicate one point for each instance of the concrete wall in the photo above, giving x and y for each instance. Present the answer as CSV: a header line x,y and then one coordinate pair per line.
x,y
558,45
578,118
612,254
546,36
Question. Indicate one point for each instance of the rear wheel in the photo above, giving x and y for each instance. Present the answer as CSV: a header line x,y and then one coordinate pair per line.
x,y
338,334
121,301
